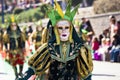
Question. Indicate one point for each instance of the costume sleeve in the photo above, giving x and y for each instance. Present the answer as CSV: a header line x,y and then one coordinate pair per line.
x,y
84,62
5,38
40,61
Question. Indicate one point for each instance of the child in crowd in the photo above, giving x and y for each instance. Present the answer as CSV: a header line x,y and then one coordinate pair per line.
x,y
95,44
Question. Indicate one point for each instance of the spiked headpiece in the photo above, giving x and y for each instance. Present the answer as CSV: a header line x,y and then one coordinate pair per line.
x,y
57,13
12,19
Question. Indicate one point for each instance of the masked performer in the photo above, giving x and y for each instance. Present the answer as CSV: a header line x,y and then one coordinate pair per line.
x,y
14,41
36,36
64,56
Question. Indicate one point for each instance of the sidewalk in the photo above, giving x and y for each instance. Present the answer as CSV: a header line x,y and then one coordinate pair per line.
x,y
6,71
106,71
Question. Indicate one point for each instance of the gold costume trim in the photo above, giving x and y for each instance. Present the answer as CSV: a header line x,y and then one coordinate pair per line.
x,y
43,63
5,38
43,71
40,58
57,35
31,60
44,35
71,31
35,63
87,58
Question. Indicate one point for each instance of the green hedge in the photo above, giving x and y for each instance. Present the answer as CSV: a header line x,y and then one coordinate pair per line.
x,y
33,14
30,15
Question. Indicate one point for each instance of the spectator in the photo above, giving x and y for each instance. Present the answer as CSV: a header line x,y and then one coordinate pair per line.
x,y
95,44
118,28
105,34
115,48
86,25
112,27
100,53
10,8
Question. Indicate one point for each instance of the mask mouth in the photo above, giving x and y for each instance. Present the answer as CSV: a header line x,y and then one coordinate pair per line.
x,y
64,35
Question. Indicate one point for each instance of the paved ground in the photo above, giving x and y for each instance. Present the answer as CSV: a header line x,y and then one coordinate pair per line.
x,y
6,71
102,71
106,71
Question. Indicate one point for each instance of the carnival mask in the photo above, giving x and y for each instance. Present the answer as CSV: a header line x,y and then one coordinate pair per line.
x,y
39,28
63,27
14,26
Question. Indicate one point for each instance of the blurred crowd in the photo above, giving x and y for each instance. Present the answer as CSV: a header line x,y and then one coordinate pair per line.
x,y
9,6
106,46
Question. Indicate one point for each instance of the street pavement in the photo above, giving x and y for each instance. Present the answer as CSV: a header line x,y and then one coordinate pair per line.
x,y
106,71
6,71
102,71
